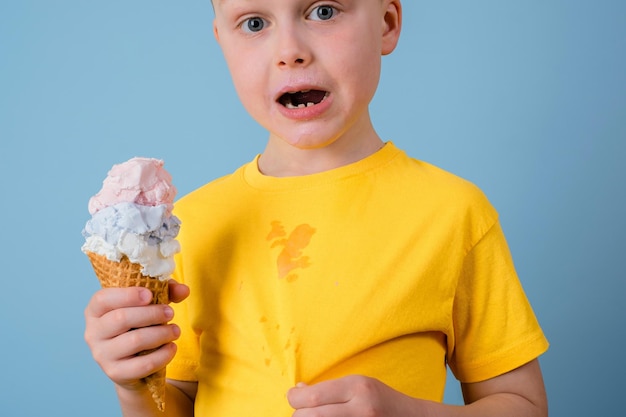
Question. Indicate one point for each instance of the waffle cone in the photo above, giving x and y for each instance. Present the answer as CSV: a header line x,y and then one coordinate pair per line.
x,y
114,274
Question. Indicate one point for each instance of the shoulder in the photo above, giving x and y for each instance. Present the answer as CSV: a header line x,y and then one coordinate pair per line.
x,y
209,196
440,198
435,185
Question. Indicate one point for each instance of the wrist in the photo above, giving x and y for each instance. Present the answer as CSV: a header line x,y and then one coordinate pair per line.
x,y
436,409
136,400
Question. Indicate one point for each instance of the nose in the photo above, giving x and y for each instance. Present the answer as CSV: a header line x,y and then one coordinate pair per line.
x,y
292,49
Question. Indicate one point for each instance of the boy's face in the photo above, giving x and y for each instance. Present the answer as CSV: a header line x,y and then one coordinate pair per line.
x,y
307,70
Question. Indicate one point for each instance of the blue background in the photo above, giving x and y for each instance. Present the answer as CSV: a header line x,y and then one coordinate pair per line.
x,y
526,99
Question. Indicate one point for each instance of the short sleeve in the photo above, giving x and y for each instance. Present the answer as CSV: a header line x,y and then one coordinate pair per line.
x,y
495,328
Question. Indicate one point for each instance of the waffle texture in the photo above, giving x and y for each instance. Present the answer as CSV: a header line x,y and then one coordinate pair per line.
x,y
114,274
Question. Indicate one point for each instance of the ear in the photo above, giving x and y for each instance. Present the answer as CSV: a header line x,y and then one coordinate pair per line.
x,y
215,32
392,25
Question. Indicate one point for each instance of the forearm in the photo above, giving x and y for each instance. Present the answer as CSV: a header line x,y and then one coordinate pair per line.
x,y
518,393
496,405
140,403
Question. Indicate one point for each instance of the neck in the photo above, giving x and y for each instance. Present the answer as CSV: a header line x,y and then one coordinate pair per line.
x,y
287,158
280,159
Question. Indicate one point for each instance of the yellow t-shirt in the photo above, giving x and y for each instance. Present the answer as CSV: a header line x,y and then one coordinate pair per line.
x,y
388,267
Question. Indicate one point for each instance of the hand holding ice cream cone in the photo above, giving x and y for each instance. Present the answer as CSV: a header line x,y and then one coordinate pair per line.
x,y
130,239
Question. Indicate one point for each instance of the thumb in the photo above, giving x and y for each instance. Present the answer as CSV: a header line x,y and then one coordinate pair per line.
x,y
178,292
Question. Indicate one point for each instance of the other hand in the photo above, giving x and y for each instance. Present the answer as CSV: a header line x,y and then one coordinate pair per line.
x,y
352,396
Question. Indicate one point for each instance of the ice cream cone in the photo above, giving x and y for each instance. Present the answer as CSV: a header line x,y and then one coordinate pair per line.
x,y
114,274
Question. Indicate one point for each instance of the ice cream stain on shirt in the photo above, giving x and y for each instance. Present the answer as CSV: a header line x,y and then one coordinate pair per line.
x,y
291,257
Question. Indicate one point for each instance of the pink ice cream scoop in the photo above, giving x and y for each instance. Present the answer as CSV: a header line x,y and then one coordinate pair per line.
x,y
141,181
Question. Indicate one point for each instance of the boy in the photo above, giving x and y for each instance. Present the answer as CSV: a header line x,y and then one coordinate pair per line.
x,y
333,275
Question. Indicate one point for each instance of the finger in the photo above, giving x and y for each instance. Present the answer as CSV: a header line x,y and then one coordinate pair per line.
x,y
136,367
178,292
121,320
318,395
108,299
146,338
108,353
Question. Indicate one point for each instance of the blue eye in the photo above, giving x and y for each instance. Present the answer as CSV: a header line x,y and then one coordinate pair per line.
x,y
323,13
253,25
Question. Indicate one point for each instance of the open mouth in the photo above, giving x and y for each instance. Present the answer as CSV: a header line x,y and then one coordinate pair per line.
x,y
302,99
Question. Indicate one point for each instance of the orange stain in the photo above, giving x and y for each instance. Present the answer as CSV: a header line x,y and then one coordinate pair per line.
x,y
291,256
277,231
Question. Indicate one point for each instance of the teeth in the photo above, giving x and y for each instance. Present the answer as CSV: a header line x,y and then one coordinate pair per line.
x,y
299,106
292,106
